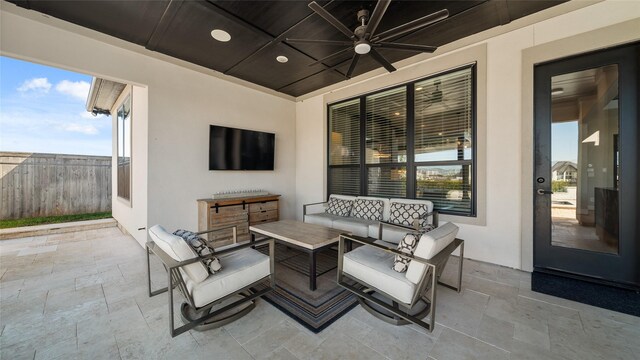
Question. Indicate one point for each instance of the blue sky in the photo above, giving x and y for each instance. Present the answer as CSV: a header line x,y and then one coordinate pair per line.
x,y
42,109
564,142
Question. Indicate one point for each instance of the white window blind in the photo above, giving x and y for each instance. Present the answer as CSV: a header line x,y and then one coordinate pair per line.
x,y
386,124
443,117
444,140
344,127
344,148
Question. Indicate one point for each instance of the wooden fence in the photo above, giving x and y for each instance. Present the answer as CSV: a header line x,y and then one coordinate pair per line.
x,y
53,184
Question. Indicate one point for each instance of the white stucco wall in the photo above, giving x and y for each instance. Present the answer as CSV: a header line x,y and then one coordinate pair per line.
x,y
500,240
170,142
130,214
171,145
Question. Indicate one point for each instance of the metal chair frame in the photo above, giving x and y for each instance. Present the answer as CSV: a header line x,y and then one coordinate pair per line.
x,y
426,288
175,279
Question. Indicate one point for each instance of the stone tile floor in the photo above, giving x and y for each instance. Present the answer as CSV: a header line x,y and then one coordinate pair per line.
x,y
83,296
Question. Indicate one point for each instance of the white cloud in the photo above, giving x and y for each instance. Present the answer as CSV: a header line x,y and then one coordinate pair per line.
x,y
80,128
77,89
35,84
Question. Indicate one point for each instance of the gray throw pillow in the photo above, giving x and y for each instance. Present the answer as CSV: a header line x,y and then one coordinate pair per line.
x,y
199,245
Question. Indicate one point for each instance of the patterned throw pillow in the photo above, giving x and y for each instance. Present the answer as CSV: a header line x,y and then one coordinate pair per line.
x,y
367,209
199,245
340,207
404,214
408,245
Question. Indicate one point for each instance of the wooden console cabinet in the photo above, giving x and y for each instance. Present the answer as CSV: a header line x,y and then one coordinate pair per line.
x,y
241,211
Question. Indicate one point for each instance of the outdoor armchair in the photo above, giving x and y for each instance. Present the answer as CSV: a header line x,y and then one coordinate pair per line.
x,y
216,299
399,297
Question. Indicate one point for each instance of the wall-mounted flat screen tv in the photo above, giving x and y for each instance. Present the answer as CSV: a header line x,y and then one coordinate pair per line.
x,y
239,149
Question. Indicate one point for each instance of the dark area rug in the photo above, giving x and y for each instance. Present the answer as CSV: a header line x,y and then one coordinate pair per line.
x,y
603,296
317,309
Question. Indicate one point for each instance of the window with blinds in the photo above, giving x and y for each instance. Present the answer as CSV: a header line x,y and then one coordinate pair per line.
x,y
413,141
344,148
386,143
443,130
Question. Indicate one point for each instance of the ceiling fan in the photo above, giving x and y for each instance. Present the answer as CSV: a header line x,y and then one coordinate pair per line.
x,y
364,39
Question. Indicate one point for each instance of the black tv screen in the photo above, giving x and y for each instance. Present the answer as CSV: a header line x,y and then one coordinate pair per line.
x,y
239,149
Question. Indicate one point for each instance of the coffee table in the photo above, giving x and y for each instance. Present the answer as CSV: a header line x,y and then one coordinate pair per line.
x,y
310,238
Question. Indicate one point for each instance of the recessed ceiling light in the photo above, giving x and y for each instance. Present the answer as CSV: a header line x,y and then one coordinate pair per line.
x,y
282,59
397,114
220,35
419,88
557,91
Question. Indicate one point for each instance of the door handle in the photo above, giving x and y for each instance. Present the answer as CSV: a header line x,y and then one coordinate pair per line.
x,y
544,192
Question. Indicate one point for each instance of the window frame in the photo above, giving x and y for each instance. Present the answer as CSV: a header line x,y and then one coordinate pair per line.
x,y
411,165
127,97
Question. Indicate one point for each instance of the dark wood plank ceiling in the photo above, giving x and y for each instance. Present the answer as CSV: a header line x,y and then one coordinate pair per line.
x,y
258,29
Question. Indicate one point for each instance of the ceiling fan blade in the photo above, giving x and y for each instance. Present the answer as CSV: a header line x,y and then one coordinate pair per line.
x,y
412,26
410,47
321,42
379,58
376,16
331,19
331,56
352,67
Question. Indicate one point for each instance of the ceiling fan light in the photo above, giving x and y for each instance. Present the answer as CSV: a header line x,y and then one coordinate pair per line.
x,y
362,48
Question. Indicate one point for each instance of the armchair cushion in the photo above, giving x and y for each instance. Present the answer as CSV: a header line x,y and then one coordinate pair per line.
x,y
405,212
178,249
340,207
241,269
367,209
430,244
373,267
199,245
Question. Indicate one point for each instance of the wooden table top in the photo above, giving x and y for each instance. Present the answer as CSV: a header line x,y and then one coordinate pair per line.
x,y
308,236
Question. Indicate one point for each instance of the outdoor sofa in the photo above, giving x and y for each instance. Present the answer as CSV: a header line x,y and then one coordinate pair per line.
x,y
364,216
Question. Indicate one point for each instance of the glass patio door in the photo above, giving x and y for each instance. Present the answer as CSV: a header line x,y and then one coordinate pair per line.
x,y
586,177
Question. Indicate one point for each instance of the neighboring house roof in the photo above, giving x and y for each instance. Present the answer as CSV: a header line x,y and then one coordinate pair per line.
x,y
564,166
102,95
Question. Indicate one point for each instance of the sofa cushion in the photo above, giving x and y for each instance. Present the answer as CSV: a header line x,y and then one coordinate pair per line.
x,y
355,226
241,269
368,209
323,219
374,267
340,207
404,212
200,246
430,244
178,249
389,233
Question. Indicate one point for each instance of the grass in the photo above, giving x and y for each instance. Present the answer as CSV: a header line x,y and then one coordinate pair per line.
x,y
12,223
